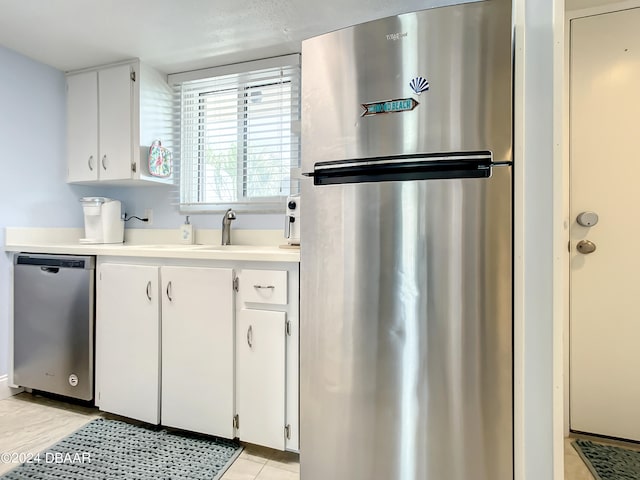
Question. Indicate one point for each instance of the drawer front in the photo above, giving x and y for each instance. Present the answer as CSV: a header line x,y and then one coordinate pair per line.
x,y
264,286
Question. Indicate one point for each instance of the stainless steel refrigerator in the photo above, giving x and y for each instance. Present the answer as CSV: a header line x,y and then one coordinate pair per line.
x,y
406,248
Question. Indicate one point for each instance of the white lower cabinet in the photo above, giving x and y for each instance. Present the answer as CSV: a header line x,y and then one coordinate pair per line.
x,y
176,345
191,310
267,356
260,377
197,349
128,341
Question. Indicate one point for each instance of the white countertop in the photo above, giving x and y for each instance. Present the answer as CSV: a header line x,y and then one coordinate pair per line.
x,y
60,245
208,252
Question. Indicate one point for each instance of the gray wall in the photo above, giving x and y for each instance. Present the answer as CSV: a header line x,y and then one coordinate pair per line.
x,y
33,192
165,215
32,136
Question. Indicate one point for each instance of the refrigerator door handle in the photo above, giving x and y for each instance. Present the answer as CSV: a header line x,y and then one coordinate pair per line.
x,y
403,168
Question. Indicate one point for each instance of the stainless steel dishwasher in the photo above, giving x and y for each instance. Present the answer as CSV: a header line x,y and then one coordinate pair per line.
x,y
53,323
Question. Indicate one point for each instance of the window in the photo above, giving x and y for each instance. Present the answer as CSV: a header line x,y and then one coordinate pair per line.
x,y
239,135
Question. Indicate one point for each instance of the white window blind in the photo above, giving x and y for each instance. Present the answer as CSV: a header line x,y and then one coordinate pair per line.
x,y
239,135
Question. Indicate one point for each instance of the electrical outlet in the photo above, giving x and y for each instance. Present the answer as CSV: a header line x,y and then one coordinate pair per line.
x,y
148,213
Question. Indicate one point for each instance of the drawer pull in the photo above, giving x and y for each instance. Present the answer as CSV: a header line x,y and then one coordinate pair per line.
x,y
271,287
250,336
169,291
149,290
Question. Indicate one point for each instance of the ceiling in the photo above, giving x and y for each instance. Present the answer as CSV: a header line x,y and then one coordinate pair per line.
x,y
178,35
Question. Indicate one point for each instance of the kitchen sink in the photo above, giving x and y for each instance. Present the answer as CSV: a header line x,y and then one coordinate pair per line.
x,y
211,248
164,246
232,248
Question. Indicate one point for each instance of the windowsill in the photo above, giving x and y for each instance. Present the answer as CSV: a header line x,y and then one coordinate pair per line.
x,y
238,208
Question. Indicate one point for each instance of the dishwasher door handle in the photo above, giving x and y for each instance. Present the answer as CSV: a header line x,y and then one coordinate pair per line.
x,y
50,269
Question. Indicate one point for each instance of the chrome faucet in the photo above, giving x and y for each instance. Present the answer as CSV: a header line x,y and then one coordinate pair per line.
x,y
226,226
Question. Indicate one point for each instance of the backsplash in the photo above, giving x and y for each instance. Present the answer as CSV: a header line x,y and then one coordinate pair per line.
x,y
135,200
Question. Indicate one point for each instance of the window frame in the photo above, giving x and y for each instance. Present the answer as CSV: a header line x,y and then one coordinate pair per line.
x,y
271,204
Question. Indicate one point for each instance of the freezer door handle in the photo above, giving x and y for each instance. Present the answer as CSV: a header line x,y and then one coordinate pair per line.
x,y
403,168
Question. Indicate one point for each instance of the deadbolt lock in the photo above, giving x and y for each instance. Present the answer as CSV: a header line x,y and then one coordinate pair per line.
x,y
587,219
586,246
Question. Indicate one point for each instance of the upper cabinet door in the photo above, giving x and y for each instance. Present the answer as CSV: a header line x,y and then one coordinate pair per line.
x,y
115,126
82,127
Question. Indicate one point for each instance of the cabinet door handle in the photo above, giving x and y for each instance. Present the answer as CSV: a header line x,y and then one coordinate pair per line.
x,y
104,161
149,290
250,336
265,286
90,162
169,292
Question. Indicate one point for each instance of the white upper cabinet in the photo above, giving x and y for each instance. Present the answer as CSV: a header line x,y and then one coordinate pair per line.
x,y
116,93
114,113
82,127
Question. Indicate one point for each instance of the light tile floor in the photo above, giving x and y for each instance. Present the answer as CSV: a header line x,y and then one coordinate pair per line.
x,y
31,423
574,467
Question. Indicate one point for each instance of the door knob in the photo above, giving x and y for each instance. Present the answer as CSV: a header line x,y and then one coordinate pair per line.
x,y
587,219
586,246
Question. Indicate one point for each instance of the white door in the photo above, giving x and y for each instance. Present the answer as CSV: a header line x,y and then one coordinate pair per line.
x,y
82,127
260,350
197,349
605,170
116,110
128,341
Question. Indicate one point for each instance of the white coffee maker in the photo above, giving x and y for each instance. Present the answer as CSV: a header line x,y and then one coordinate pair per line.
x,y
103,222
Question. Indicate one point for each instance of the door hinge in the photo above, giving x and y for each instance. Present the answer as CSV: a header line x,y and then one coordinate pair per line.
x,y
134,167
287,431
287,328
236,283
133,75
236,421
